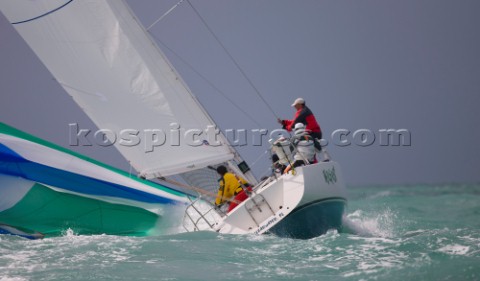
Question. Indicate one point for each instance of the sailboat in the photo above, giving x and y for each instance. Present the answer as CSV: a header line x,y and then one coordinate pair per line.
x,y
103,57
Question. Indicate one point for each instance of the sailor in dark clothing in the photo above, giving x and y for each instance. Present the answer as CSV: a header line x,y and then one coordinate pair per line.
x,y
305,116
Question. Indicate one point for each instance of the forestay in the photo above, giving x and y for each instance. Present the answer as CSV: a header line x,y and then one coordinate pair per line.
x,y
103,57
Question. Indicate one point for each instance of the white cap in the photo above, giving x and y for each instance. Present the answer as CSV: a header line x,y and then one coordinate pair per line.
x,y
299,126
299,129
298,101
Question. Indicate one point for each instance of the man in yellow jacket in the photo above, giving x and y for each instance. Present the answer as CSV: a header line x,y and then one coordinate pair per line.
x,y
230,186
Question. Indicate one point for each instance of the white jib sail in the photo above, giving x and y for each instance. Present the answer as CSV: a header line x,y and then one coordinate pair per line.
x,y
103,57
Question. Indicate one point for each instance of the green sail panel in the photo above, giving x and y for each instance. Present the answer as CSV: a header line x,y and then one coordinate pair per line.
x,y
51,212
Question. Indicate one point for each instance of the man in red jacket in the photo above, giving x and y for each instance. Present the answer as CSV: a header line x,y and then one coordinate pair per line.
x,y
303,115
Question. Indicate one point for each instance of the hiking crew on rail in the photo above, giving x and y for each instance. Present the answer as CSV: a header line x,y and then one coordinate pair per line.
x,y
231,189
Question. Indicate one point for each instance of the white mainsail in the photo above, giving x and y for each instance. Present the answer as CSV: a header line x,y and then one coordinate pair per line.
x,y
103,57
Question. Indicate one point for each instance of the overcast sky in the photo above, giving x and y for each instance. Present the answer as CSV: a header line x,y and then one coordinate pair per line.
x,y
373,65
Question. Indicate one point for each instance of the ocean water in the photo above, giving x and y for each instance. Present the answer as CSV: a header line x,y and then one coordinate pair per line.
x,y
391,233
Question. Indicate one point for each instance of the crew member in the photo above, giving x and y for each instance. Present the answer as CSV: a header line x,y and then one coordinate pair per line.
x,y
231,187
303,115
305,153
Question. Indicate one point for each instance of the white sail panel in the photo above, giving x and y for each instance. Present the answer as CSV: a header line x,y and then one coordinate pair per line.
x,y
103,57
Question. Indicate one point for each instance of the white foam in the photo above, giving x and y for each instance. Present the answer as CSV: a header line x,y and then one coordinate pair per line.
x,y
7,278
455,249
379,224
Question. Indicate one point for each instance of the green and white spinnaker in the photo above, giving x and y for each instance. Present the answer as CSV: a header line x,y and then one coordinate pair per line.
x,y
46,188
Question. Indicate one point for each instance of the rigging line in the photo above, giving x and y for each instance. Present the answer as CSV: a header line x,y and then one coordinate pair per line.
x,y
233,150
208,81
234,61
43,15
198,189
164,15
258,159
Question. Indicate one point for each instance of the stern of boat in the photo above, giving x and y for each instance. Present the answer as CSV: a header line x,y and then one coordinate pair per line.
x,y
323,203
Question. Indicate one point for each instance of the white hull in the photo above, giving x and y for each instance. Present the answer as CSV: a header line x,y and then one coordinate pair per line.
x,y
291,205
322,206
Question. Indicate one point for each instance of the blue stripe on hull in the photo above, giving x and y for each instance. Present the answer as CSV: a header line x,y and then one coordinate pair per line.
x,y
14,165
312,219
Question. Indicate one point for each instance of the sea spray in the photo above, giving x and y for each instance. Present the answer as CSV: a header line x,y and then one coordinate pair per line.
x,y
169,220
413,233
378,223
